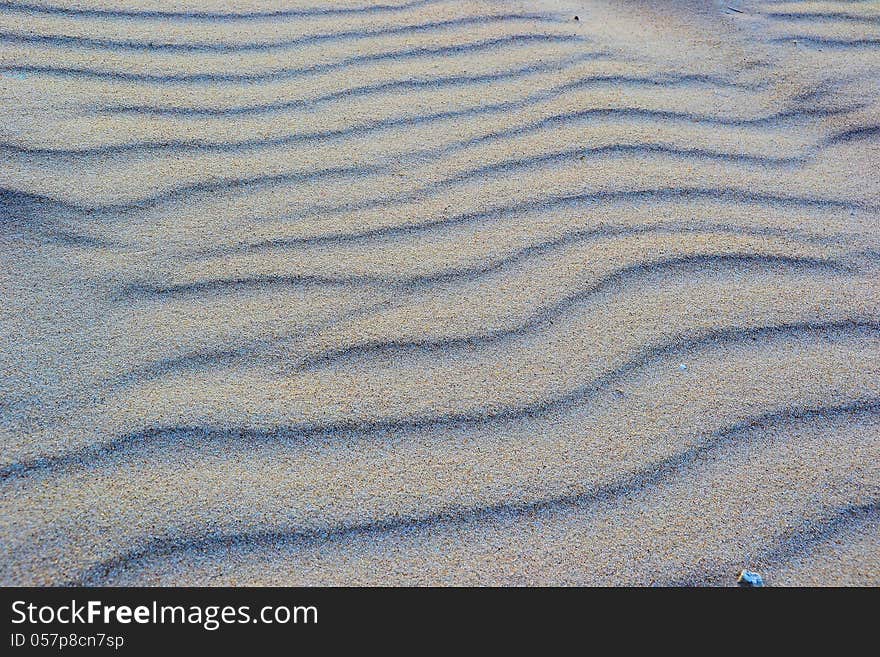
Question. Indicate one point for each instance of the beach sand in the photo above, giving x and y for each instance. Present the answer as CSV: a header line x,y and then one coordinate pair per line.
x,y
439,292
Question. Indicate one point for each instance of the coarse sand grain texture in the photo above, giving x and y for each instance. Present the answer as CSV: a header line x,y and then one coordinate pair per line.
x,y
439,292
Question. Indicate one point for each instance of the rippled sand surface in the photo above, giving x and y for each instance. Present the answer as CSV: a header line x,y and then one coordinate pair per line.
x,y
439,292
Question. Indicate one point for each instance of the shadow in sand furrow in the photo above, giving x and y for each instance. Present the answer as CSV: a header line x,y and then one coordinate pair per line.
x,y
251,352
15,203
509,166
236,184
366,9
97,453
40,232
236,354
63,40
19,206
486,45
440,82
23,200
570,238
828,42
452,82
792,544
574,237
855,134
621,278
777,119
29,217
820,18
144,290
518,164
660,194
617,491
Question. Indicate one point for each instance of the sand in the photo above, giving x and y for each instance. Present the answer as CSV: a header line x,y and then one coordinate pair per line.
x,y
439,292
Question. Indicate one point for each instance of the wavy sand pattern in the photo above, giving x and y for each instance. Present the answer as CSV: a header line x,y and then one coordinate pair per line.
x,y
439,292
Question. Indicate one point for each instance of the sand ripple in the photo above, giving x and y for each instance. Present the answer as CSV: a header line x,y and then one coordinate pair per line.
x,y
439,292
